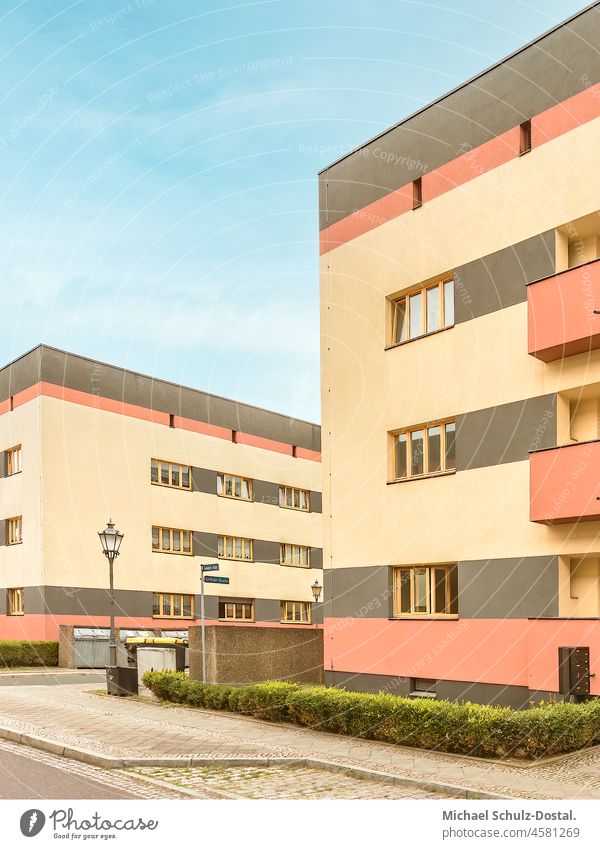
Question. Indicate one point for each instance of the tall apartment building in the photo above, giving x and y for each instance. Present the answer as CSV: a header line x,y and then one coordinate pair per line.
x,y
188,477
460,283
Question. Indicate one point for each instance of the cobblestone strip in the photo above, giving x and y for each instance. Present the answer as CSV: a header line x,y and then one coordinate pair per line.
x,y
282,783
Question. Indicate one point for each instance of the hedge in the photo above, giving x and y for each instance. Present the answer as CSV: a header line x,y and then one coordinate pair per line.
x,y
25,653
466,728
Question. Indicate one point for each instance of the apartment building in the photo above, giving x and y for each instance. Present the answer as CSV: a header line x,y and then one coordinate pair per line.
x,y
460,280
188,477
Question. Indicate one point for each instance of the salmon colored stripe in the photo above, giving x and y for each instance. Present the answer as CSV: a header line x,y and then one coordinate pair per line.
x,y
368,218
109,405
470,164
564,117
521,652
262,442
44,626
88,399
307,454
548,125
26,395
204,428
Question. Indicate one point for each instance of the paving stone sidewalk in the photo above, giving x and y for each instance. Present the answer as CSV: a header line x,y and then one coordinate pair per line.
x,y
75,715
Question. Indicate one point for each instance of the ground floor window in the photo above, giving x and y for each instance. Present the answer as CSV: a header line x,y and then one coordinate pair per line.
x,y
15,601
295,611
425,590
236,609
173,606
423,687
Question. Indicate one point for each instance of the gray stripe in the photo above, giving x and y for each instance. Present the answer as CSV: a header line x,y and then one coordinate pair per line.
x,y
316,502
204,480
2,531
557,66
456,691
499,280
204,544
505,434
266,551
3,463
508,588
74,372
86,601
504,588
263,551
358,592
316,558
265,492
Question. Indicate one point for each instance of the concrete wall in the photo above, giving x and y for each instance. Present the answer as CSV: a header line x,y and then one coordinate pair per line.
x,y
237,654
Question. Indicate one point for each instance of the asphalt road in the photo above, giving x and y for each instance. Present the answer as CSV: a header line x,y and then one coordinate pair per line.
x,y
27,776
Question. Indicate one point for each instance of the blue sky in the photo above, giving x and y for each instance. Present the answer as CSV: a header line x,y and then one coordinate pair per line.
x,y
159,161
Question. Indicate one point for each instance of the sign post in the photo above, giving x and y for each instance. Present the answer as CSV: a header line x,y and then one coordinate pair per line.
x,y
206,567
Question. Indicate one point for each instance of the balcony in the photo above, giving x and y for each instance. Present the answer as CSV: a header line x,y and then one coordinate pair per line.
x,y
565,483
561,313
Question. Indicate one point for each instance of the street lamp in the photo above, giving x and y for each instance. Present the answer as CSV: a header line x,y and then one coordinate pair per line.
x,y
316,590
111,540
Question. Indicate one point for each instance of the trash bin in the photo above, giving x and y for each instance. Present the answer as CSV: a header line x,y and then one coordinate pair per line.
x,y
153,654
121,680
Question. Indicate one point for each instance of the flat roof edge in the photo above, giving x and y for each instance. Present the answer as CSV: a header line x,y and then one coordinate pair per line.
x,y
462,85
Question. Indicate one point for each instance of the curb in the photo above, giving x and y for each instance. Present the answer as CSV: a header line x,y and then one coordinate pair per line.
x,y
85,756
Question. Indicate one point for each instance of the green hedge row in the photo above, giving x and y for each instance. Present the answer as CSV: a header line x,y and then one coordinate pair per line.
x,y
25,653
468,729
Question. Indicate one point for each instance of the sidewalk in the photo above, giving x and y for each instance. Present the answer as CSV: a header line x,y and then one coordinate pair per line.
x,y
75,715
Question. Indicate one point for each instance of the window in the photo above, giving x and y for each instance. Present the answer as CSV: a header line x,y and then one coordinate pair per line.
x,y
14,530
173,540
417,193
294,555
294,498
233,486
234,548
173,606
425,591
424,688
175,475
236,609
13,460
295,611
427,310
15,602
525,137
425,451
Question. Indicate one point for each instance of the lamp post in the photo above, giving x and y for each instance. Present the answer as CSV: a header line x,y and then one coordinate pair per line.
x,y
316,590
111,540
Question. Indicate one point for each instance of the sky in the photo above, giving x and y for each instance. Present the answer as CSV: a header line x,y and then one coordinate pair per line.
x,y
159,163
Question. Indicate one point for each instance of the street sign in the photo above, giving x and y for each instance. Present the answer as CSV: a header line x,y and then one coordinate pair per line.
x,y
210,567
217,579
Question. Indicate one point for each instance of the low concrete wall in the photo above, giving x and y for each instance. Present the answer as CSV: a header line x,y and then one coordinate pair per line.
x,y
240,654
